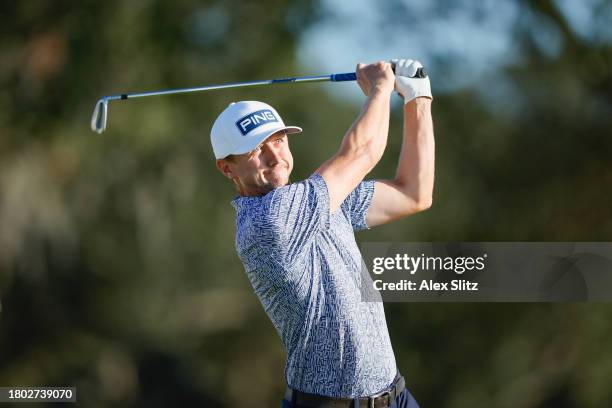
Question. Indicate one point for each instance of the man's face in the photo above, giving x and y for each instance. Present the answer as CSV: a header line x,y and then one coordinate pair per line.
x,y
261,170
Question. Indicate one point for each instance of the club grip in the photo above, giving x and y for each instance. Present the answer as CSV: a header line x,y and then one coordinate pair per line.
x,y
348,76
351,76
420,73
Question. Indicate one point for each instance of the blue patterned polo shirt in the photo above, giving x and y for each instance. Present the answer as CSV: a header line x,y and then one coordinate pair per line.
x,y
305,267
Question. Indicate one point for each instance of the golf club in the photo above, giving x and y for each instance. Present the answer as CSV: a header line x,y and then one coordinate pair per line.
x,y
100,113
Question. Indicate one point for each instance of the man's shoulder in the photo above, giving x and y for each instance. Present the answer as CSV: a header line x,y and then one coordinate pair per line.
x,y
277,212
284,196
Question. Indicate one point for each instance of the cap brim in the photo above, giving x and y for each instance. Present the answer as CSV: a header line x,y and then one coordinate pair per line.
x,y
257,141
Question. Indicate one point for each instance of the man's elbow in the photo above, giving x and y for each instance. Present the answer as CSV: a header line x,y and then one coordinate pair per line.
x,y
414,201
415,206
423,204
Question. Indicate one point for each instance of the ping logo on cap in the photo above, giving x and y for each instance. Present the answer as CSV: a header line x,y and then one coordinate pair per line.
x,y
254,120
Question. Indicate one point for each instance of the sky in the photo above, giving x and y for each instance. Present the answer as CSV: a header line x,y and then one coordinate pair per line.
x,y
461,47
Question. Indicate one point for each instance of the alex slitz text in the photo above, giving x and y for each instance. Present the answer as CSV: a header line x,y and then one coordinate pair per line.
x,y
426,285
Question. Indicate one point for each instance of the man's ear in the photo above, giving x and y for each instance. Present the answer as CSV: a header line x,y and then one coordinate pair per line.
x,y
225,168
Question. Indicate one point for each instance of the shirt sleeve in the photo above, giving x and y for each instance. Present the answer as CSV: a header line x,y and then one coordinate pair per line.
x,y
357,203
295,214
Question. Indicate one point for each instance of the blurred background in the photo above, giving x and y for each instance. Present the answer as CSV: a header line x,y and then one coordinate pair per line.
x,y
118,273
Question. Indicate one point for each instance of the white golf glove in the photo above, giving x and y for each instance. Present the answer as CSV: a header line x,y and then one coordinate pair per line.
x,y
408,87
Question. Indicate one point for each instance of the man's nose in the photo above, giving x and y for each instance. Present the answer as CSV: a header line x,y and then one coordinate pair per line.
x,y
273,155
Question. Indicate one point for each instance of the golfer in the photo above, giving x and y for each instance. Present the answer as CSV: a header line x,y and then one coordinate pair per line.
x,y
297,243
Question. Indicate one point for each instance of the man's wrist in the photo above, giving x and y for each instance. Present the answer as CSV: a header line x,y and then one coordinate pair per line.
x,y
417,108
380,92
419,101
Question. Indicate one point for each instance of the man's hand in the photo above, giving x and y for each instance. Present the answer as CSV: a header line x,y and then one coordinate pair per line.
x,y
407,86
376,77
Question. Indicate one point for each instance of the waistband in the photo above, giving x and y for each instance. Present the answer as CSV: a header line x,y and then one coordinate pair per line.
x,y
381,399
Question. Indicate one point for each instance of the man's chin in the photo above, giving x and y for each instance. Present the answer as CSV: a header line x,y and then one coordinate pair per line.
x,y
278,182
278,179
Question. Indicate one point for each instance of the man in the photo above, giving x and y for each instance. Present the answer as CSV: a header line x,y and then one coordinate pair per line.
x,y
297,242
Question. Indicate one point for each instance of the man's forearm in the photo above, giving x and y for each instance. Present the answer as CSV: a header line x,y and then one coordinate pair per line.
x,y
368,134
415,171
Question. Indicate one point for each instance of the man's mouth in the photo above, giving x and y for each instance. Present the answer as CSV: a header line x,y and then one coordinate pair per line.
x,y
278,168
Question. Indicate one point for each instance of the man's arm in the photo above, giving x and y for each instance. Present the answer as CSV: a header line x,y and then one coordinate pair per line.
x,y
365,142
411,190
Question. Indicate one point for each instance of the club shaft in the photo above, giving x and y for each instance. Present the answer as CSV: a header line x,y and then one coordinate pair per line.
x,y
321,78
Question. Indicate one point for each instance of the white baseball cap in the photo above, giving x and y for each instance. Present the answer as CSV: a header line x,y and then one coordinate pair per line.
x,y
242,126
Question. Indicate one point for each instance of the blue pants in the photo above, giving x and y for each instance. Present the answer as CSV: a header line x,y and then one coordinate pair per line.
x,y
404,400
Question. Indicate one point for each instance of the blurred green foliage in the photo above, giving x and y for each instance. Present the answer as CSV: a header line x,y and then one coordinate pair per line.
x,y
118,273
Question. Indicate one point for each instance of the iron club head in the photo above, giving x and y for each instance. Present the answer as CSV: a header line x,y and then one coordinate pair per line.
x,y
98,119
